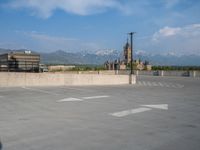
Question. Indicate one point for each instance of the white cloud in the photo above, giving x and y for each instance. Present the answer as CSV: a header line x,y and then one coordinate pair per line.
x,y
44,42
166,32
186,31
43,37
171,3
183,40
45,8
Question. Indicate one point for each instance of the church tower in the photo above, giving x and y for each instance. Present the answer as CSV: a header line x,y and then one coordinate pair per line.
x,y
127,53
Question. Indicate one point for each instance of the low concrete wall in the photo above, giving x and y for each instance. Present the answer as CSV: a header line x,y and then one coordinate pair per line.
x,y
180,73
92,79
61,79
149,73
194,74
142,72
175,73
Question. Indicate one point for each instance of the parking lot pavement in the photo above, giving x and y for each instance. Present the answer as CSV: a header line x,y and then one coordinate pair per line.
x,y
158,113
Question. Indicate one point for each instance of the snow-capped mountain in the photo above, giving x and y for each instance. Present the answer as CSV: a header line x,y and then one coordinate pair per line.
x,y
107,52
101,56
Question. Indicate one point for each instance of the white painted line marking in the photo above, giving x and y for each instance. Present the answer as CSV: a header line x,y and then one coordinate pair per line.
x,y
167,85
172,85
149,83
160,84
95,97
78,89
144,83
160,106
139,110
38,90
131,111
71,99
154,84
180,86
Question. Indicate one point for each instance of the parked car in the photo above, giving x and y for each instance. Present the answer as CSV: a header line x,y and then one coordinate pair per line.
x,y
43,68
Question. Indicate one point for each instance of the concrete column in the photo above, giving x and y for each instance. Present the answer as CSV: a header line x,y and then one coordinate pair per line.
x,y
137,72
162,73
113,66
116,72
132,79
192,74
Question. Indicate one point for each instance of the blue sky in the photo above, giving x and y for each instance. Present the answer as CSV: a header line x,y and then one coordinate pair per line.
x,y
162,26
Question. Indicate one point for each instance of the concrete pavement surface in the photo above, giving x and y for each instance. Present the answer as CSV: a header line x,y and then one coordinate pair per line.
x,y
158,113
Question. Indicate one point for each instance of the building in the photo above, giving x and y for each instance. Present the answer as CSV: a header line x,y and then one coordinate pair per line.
x,y
127,53
115,65
110,65
120,65
125,63
139,65
20,62
60,68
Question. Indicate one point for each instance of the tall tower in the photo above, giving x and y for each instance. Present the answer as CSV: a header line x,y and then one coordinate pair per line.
x,y
127,53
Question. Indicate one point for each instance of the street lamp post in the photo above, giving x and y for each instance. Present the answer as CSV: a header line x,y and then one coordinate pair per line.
x,y
131,35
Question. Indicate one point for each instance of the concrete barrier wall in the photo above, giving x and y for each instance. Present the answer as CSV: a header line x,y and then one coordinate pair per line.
x,y
61,79
195,74
143,72
150,73
169,73
92,79
198,74
176,73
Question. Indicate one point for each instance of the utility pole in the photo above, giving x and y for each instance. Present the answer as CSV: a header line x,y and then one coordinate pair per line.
x,y
131,35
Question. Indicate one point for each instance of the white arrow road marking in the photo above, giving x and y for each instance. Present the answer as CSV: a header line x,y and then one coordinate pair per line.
x,y
161,106
139,110
71,99
131,111
95,97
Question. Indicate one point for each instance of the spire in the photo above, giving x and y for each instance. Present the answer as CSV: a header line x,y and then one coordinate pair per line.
x,y
127,44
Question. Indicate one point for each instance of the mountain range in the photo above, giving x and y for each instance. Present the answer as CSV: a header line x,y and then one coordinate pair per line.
x,y
99,57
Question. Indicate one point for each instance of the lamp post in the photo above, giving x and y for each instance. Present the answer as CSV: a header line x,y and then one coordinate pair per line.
x,y
131,35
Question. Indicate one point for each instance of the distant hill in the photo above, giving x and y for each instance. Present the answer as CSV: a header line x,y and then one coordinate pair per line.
x,y
61,57
173,60
99,57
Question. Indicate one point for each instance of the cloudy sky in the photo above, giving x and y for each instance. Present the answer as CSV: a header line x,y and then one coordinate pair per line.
x,y
162,26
